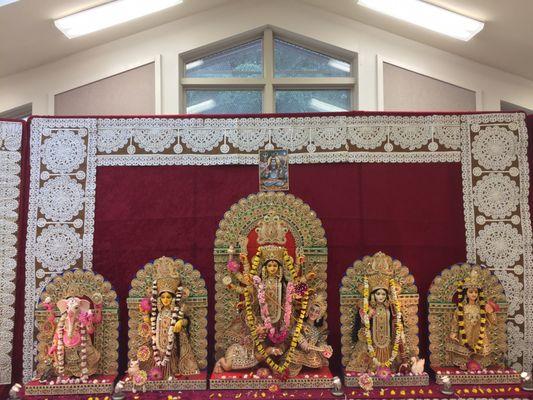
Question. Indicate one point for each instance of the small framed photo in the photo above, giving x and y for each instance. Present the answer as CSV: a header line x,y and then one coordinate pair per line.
x,y
273,170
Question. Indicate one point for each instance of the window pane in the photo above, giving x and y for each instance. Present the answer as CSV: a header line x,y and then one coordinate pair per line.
x,y
224,101
295,61
244,61
322,100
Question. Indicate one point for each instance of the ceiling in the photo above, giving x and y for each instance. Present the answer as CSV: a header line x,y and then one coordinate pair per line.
x,y
505,42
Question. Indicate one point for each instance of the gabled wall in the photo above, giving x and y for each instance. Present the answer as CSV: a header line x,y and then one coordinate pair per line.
x,y
163,45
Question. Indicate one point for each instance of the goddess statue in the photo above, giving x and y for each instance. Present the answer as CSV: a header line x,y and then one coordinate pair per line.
x,y
379,328
171,352
72,347
313,350
275,300
473,316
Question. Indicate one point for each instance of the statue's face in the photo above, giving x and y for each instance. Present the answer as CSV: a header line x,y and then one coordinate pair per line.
x,y
315,312
73,305
272,268
166,299
472,294
381,295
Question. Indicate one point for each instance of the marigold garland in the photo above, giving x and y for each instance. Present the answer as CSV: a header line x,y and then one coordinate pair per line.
x,y
399,334
250,317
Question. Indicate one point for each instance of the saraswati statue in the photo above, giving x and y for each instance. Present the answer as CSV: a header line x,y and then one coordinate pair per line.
x,y
379,304
280,307
167,327
78,330
467,312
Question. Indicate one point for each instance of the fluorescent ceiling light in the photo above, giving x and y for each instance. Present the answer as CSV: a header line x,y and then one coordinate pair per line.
x,y
323,106
201,107
6,2
428,16
109,14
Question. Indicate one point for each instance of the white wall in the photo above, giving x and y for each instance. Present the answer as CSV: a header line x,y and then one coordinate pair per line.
x,y
164,44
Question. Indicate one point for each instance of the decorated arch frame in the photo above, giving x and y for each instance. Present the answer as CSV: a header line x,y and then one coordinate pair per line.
x,y
352,301
141,287
242,218
492,149
442,307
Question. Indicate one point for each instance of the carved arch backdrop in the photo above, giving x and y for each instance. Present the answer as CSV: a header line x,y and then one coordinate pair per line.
x,y
492,150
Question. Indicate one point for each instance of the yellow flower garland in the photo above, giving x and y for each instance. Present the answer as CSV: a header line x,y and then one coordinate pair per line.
x,y
399,325
250,318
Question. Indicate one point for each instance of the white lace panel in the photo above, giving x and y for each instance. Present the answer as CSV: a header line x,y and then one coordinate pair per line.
x,y
492,149
498,225
168,141
10,160
61,209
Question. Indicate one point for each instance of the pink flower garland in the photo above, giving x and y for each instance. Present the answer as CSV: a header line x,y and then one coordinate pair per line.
x,y
273,335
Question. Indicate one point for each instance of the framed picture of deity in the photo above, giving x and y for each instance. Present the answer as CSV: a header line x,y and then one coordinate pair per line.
x,y
379,324
273,170
167,348
270,302
467,327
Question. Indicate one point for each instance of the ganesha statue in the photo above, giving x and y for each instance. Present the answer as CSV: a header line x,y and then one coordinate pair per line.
x,y
274,326
379,304
72,350
77,338
467,313
167,308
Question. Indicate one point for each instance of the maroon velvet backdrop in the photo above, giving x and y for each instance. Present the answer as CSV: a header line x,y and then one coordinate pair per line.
x,y
412,212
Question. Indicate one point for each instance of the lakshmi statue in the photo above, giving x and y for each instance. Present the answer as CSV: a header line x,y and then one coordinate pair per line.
x,y
380,332
467,313
469,334
72,347
160,325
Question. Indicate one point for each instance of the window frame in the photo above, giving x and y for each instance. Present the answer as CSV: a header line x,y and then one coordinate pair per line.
x,y
268,83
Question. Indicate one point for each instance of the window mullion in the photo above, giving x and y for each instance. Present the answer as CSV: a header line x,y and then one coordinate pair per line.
x,y
268,70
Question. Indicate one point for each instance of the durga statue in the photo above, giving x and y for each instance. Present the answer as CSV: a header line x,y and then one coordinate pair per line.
x,y
281,313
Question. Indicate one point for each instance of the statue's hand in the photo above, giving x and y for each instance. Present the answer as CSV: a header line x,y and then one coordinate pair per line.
x,y
453,336
52,350
97,298
489,308
178,326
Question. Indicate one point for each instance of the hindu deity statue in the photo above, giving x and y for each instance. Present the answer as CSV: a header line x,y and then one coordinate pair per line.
x,y
170,353
275,306
470,345
379,331
313,350
72,349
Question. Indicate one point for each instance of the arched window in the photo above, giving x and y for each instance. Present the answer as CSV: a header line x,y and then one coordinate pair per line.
x,y
269,73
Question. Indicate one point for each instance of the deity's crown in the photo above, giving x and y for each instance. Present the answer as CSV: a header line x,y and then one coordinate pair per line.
x,y
272,252
473,280
380,271
166,275
271,230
